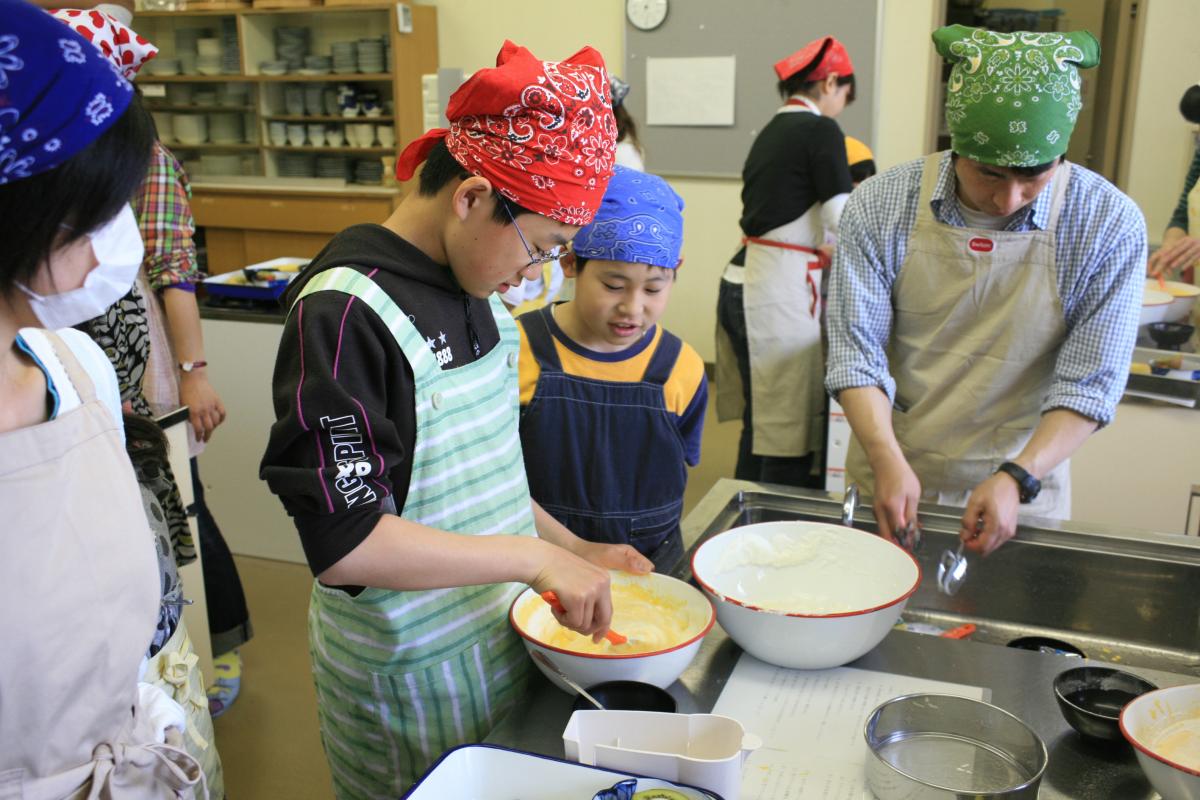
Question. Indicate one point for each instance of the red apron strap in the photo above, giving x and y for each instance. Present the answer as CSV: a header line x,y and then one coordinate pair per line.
x,y
821,263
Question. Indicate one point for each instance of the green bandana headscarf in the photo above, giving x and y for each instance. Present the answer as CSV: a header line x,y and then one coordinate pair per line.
x,y
1012,98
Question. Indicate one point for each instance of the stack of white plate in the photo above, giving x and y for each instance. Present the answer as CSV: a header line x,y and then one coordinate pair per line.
x,y
220,164
292,45
162,66
209,60
345,56
369,172
231,61
164,123
190,128
225,128
370,56
205,96
297,165
333,167
317,65
272,67
233,94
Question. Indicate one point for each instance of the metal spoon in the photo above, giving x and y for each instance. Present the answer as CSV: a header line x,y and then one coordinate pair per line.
x,y
545,661
952,570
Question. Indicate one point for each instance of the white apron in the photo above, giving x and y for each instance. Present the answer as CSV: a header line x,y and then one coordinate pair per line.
x,y
782,301
977,329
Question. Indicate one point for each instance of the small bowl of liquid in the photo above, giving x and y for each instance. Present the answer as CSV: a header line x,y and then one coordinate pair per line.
x,y
1091,699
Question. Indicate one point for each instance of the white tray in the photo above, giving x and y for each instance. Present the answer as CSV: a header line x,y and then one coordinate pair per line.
x,y
488,772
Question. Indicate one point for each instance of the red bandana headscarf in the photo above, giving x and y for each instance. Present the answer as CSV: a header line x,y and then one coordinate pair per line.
x,y
119,44
542,132
825,55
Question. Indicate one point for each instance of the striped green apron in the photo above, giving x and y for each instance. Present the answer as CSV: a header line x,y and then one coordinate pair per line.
x,y
403,676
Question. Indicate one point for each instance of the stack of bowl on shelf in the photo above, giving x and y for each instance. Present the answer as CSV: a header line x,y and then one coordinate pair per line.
x,y
292,44
345,56
371,55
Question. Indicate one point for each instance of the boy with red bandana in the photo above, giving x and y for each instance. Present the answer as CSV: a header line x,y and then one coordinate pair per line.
x,y
396,449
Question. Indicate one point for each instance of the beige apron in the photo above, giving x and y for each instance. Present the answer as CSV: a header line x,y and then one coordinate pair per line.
x,y
977,329
781,298
79,583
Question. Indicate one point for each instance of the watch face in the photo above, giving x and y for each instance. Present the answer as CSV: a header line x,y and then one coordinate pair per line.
x,y
646,14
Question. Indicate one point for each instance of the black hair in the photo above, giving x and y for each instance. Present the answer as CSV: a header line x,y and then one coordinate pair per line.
x,y
76,197
440,169
626,127
800,83
1024,172
1189,104
145,441
581,262
862,170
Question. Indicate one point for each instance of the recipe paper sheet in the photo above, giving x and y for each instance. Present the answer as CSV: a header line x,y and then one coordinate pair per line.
x,y
811,724
691,91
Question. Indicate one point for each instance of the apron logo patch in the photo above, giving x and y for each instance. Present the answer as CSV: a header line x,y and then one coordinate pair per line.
x,y
981,244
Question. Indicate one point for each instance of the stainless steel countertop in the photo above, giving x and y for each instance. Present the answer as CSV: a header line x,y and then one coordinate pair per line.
x,y
1019,681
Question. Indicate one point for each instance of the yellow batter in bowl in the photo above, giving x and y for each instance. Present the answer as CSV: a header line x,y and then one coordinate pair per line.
x,y
652,622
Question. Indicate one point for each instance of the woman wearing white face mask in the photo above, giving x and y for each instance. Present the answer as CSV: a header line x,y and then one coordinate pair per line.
x,y
77,577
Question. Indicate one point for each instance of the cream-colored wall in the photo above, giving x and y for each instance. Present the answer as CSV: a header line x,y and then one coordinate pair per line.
x,y
471,31
1162,143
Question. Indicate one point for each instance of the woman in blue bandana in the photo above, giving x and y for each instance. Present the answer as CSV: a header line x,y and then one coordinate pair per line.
x,y
612,405
77,576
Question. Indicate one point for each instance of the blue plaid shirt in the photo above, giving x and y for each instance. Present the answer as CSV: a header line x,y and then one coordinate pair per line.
x,y
1101,258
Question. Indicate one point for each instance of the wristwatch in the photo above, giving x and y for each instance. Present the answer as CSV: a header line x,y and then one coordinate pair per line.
x,y
1028,485
188,366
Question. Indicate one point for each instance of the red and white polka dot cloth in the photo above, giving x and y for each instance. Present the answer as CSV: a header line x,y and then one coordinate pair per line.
x,y
121,45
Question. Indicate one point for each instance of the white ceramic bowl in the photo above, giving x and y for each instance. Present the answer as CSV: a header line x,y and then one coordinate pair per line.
x,y
1155,305
531,619
805,595
1183,298
1161,725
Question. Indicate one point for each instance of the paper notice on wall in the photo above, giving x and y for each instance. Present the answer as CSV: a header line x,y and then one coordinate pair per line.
x,y
811,724
690,91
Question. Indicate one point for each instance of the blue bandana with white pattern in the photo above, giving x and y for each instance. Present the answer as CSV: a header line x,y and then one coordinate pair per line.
x,y
639,222
58,93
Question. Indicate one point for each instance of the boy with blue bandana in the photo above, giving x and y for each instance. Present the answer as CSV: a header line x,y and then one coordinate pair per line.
x,y
612,405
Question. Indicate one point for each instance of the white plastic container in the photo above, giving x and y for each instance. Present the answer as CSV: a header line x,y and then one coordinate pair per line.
x,y
805,595
705,750
486,772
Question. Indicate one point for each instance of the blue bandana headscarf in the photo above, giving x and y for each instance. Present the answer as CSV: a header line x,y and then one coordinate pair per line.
x,y
58,93
639,222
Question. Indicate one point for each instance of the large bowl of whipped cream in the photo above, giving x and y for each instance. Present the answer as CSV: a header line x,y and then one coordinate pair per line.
x,y
805,595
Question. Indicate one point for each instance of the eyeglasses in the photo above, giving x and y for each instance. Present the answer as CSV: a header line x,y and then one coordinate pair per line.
x,y
536,258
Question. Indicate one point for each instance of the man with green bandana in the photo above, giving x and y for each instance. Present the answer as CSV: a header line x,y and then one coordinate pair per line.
x,y
983,302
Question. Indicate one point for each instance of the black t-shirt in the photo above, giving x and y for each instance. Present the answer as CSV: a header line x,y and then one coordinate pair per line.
x,y
797,161
343,390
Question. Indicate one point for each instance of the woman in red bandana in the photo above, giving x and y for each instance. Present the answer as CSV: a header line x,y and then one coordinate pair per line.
x,y
770,368
396,448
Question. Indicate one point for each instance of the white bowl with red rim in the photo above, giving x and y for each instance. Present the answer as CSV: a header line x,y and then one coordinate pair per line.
x,y
805,595
673,628
1164,728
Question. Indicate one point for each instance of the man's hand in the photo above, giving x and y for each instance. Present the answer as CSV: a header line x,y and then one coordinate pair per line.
x,y
897,492
205,409
1178,252
991,516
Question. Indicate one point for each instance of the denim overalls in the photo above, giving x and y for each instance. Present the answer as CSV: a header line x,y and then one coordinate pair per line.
x,y
606,458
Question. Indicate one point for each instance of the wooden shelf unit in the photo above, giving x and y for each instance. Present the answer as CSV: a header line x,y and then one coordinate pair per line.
x,y
243,225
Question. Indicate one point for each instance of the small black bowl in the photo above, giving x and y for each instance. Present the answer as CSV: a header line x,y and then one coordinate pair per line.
x,y
1169,335
1091,699
627,696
